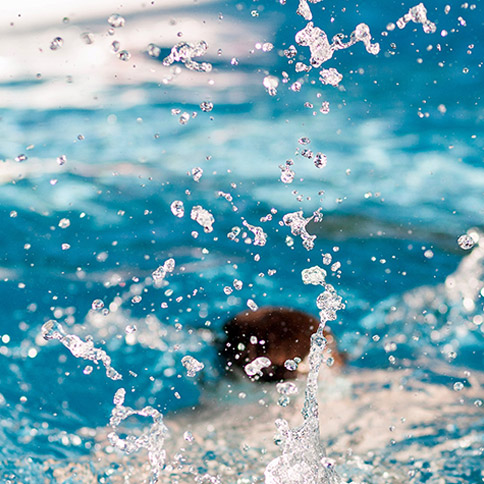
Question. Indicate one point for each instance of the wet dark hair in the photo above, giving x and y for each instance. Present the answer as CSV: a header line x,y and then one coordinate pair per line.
x,y
277,333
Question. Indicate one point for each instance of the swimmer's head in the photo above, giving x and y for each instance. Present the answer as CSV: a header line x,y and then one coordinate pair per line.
x,y
277,333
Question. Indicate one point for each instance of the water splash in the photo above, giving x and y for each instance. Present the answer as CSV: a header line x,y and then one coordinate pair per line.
x,y
320,48
255,367
203,217
304,10
152,440
303,459
260,237
160,273
177,208
184,53
297,222
79,348
192,365
418,15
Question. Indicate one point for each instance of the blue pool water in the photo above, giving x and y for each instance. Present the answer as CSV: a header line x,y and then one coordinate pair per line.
x,y
404,179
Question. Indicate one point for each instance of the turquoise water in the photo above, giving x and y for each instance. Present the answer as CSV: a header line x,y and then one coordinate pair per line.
x,y
403,181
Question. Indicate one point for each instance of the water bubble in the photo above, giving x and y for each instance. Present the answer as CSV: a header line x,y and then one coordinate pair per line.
x,y
228,290
64,223
177,208
192,365
65,246
206,106
130,328
116,20
238,284
57,43
61,160
97,304
136,299
478,403
466,242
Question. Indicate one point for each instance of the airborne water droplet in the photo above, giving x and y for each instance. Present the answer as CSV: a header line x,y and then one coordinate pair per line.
x,y
57,43
116,20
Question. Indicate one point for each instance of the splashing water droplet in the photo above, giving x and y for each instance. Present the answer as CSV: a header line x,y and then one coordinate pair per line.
x,y
297,223
206,106
260,237
184,53
79,348
203,217
418,15
159,274
458,386
252,305
254,367
97,304
330,76
466,242
192,365
271,83
116,20
197,173
61,160
290,365
21,158
314,275
177,208
52,330
124,55
320,160
152,440
154,50
64,223
57,43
